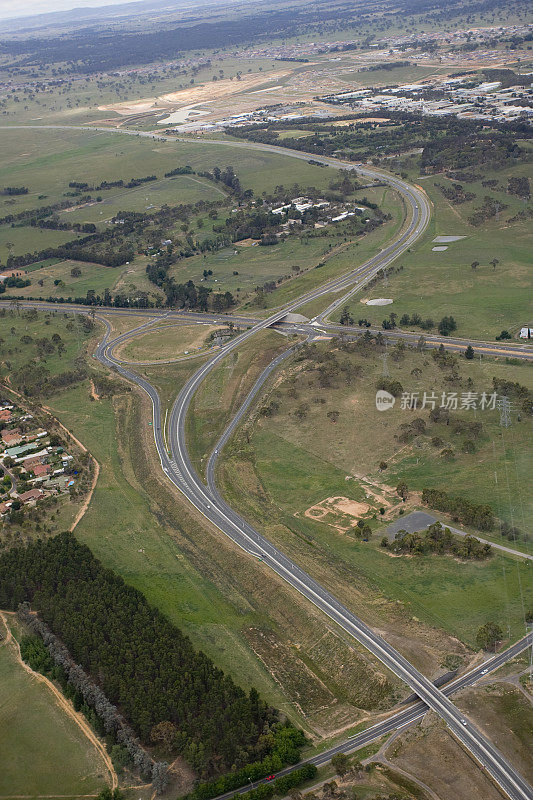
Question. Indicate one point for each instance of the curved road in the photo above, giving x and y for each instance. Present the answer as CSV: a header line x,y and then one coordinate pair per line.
x,y
181,472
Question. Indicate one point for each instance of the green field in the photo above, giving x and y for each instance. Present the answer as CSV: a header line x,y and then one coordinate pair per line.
x,y
46,160
327,460
44,752
167,341
230,607
485,300
33,326
390,77
93,276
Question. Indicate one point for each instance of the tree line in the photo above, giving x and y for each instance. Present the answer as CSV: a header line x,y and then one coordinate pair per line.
x,y
104,622
61,666
480,516
437,539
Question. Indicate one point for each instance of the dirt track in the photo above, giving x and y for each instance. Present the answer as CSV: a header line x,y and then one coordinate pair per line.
x,y
62,702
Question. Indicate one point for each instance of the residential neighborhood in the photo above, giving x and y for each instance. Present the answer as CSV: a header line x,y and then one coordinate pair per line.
x,y
35,463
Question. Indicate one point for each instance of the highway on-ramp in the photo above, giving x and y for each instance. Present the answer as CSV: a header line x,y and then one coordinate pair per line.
x,y
181,472
179,469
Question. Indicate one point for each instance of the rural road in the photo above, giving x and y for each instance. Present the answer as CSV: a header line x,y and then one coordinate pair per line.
x,y
180,471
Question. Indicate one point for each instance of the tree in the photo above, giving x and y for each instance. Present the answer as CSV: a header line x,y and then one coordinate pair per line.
x,y
346,318
474,264
160,776
447,325
494,263
166,733
402,490
340,763
469,353
489,636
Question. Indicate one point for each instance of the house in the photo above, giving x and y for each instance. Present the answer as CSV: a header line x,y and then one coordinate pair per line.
x,y
526,332
30,497
4,507
40,470
32,462
5,414
11,437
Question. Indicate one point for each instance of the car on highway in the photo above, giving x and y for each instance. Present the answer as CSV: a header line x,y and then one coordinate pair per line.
x,y
270,777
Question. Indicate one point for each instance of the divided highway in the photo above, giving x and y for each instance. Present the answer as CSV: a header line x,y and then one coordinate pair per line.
x,y
181,472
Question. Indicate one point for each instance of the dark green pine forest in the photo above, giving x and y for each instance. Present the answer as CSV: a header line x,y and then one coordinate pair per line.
x,y
145,665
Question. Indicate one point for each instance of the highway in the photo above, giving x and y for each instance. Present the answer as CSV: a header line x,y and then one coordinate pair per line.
x,y
181,472
398,720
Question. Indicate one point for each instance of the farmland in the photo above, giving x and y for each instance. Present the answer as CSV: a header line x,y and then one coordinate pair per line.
x,y
44,750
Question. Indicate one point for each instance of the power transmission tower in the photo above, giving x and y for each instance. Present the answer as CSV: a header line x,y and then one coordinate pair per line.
x,y
385,276
505,411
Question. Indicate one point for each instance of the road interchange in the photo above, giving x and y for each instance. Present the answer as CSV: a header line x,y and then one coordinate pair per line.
x,y
180,471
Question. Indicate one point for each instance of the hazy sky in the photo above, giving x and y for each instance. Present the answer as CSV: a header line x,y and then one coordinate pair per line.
x,y
24,8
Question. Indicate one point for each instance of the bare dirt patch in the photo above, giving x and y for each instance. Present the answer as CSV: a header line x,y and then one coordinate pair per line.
x,y
430,751
197,94
340,513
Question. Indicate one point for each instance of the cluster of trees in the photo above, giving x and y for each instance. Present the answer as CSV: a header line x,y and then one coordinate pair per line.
x,y
393,387
415,320
186,170
520,186
33,379
129,184
14,283
104,247
447,144
186,295
386,65
14,190
285,742
104,622
279,787
480,516
447,325
490,208
455,193
54,224
492,150
105,49
489,636
515,391
68,672
444,359
33,213
440,540
327,368
230,180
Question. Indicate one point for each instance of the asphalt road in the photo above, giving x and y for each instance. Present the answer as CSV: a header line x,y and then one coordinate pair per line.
x,y
401,719
182,474
180,471
523,352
